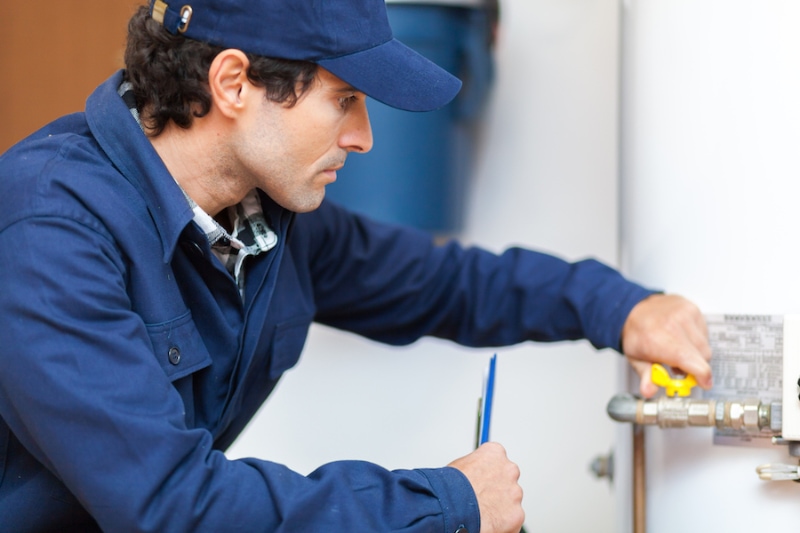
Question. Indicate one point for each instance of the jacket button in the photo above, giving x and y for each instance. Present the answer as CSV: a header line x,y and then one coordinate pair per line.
x,y
174,355
462,529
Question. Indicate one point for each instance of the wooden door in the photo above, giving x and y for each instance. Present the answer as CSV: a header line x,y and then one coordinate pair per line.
x,y
52,55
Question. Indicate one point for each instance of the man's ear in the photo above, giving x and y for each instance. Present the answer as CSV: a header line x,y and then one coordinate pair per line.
x,y
227,78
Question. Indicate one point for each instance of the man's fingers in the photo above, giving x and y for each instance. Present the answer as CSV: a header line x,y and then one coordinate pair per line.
x,y
691,358
698,368
646,386
495,480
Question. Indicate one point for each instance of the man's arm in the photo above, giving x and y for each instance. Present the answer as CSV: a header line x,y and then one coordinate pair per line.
x,y
395,285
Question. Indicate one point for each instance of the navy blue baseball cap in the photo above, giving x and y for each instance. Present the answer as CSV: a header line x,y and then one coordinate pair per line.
x,y
350,38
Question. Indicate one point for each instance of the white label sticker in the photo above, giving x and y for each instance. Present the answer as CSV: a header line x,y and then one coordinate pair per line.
x,y
747,362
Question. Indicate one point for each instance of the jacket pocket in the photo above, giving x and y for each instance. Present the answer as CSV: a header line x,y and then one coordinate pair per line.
x,y
178,346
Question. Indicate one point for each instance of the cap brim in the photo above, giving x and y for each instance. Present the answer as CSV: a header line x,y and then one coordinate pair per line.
x,y
396,75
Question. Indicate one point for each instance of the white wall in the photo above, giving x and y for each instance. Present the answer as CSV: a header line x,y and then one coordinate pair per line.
x,y
546,178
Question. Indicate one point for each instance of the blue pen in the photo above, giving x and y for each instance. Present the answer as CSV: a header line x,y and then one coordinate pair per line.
x,y
485,411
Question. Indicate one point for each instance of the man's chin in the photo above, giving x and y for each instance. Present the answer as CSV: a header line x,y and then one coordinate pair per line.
x,y
304,205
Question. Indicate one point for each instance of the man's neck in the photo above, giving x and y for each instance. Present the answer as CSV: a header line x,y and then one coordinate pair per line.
x,y
195,166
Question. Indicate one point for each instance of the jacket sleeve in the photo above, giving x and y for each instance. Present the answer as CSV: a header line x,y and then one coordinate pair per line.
x,y
82,391
395,284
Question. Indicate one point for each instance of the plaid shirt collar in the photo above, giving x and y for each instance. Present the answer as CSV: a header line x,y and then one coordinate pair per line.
x,y
251,234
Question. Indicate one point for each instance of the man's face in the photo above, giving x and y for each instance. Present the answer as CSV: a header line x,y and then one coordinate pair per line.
x,y
292,153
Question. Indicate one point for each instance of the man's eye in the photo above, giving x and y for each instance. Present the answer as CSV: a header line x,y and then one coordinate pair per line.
x,y
347,101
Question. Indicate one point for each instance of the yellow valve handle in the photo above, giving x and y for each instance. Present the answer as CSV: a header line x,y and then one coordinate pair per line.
x,y
673,386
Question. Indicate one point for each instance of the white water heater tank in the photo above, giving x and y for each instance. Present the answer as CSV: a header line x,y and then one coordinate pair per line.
x,y
710,164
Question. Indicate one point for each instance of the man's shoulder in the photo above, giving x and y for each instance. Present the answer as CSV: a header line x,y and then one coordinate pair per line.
x,y
58,169
45,143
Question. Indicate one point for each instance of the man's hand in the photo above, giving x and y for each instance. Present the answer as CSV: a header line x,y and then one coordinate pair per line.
x,y
667,329
494,480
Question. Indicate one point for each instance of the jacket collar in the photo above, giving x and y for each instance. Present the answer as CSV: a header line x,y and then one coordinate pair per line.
x,y
125,144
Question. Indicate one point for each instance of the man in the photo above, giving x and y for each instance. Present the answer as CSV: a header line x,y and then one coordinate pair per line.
x,y
163,254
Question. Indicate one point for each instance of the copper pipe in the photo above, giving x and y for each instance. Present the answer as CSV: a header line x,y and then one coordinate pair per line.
x,y
639,479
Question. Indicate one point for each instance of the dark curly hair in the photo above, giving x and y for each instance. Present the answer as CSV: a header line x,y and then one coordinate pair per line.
x,y
169,74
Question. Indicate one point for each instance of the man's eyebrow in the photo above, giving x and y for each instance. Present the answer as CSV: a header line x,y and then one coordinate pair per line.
x,y
345,89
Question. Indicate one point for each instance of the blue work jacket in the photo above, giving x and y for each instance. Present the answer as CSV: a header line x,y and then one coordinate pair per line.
x,y
129,361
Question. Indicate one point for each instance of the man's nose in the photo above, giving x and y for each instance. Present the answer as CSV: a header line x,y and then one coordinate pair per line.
x,y
357,133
